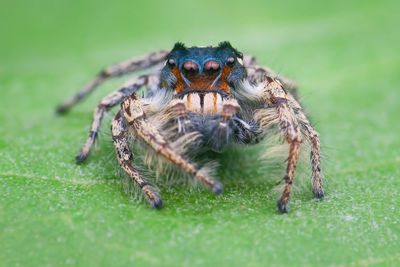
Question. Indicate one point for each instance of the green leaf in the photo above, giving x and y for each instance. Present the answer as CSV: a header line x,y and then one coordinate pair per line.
x,y
344,57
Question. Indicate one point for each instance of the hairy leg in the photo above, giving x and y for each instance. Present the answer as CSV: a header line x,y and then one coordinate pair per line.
x,y
136,118
313,138
124,155
119,69
276,97
105,104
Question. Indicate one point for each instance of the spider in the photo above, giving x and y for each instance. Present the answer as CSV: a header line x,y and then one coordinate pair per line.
x,y
203,98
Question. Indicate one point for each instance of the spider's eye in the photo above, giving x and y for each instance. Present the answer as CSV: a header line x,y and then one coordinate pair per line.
x,y
190,68
230,61
171,62
211,67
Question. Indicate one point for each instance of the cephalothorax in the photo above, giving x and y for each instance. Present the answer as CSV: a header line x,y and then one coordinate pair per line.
x,y
213,95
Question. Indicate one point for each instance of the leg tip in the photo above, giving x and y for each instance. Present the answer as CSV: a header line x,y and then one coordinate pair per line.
x,y
152,196
80,158
319,193
61,110
282,207
218,188
157,203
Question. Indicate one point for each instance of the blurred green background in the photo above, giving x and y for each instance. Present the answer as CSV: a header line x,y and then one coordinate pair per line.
x,y
345,57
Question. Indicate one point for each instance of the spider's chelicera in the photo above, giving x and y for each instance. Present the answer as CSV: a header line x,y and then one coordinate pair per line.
x,y
204,98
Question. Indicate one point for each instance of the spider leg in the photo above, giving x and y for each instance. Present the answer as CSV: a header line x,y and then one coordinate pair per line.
x,y
313,138
136,118
284,116
105,104
119,69
256,74
121,143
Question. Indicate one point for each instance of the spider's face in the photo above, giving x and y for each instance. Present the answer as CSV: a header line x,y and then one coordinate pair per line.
x,y
203,69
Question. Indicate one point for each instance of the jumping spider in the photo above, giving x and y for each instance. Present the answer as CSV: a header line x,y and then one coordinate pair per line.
x,y
214,95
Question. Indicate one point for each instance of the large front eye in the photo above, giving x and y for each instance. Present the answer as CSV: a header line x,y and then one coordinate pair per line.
x,y
190,68
211,67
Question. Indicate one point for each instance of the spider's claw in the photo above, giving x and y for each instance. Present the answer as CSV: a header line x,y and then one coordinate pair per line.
x,y
282,207
152,196
60,110
156,202
81,157
218,188
319,193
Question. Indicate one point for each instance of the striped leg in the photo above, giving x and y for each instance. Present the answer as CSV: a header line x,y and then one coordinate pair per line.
x,y
122,68
313,138
105,104
285,117
134,115
124,155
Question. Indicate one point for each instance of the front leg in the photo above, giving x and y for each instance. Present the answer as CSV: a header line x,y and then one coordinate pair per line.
x,y
120,138
136,118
